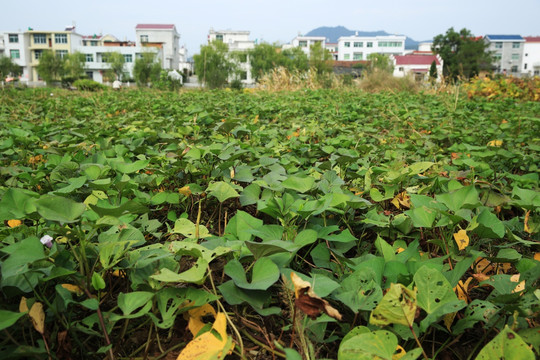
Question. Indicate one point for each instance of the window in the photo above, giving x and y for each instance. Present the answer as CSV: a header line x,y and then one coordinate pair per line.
x,y
358,44
347,56
515,45
93,43
90,74
219,37
390,43
497,57
536,72
243,75
89,57
128,58
498,45
60,38
84,42
525,66
357,56
14,54
40,39
514,69
61,53
144,38
13,38
347,44
37,54
369,44
302,43
515,56
400,68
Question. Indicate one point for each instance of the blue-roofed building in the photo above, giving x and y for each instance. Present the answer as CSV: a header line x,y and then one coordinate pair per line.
x,y
507,51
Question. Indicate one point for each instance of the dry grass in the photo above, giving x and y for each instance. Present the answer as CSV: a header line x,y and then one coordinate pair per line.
x,y
377,81
281,79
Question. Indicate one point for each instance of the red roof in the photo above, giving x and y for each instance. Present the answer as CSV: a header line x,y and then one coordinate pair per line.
x,y
416,59
154,26
532,38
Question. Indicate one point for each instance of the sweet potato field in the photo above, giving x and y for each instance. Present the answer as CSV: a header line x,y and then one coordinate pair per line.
x,y
255,225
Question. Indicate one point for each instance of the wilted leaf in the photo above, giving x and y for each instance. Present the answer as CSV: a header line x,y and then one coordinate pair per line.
x,y
307,301
208,345
14,223
73,289
520,286
186,191
38,317
526,226
462,239
398,306
495,143
402,199
23,306
195,323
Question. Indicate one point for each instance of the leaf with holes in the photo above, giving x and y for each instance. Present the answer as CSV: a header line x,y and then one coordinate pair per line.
x,y
398,306
507,345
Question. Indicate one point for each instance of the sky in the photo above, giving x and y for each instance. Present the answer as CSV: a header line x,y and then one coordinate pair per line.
x,y
274,20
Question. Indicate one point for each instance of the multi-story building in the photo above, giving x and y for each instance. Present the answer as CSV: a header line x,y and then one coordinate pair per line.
x,y
531,56
15,45
417,65
332,49
239,42
164,34
507,53
306,42
359,47
61,43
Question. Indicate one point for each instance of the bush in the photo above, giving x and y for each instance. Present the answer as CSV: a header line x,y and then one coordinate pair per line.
x,y
88,85
236,84
377,81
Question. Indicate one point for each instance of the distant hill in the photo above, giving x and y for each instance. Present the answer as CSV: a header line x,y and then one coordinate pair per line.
x,y
335,32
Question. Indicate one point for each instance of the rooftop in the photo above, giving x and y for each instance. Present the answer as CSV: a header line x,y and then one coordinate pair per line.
x,y
155,26
504,37
532,38
416,59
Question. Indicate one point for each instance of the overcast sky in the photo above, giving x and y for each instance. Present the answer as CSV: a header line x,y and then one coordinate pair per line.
x,y
274,20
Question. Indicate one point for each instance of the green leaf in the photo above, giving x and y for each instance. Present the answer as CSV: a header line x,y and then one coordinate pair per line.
x,y
433,289
16,203
222,191
250,195
241,225
129,167
264,274
379,344
464,198
419,167
305,237
97,281
398,306
300,184
57,208
74,184
507,345
422,216
196,274
489,226
385,249
21,254
132,301
189,229
8,318
258,299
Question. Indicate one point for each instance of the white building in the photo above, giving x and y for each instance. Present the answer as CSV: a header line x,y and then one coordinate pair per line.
x,y
237,41
164,34
15,44
305,43
332,49
508,53
359,47
184,65
416,65
425,46
531,56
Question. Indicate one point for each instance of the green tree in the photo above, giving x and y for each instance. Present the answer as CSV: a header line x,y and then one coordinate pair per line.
x,y
73,67
8,67
295,59
50,67
433,71
213,65
320,59
116,65
464,55
146,69
263,58
379,62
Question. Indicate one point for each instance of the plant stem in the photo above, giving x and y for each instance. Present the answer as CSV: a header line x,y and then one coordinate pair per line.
x,y
264,346
102,323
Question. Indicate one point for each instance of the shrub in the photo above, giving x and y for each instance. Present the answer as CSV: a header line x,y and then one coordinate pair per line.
x,y
377,81
88,85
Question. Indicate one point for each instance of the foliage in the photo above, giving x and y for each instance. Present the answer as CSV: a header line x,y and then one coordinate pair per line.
x,y
8,67
116,63
166,82
146,69
73,67
295,59
149,223
213,65
88,85
320,59
50,67
282,79
463,54
379,63
433,71
501,87
264,58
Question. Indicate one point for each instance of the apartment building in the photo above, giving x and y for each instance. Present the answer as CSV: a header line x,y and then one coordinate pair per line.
x,y
531,56
507,53
164,34
14,44
237,41
306,42
417,65
355,48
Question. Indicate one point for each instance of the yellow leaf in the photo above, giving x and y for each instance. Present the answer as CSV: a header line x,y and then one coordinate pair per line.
x,y
256,120
526,226
400,352
462,289
208,343
232,173
537,256
520,286
118,273
185,190
195,323
73,289
402,199
38,317
462,239
309,302
14,223
23,306
400,250
61,240
449,319
496,143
